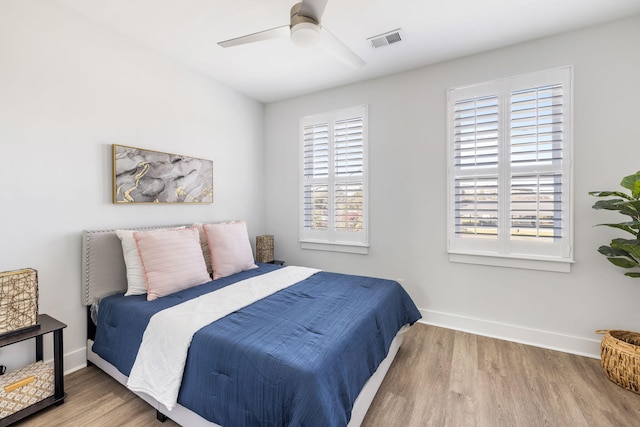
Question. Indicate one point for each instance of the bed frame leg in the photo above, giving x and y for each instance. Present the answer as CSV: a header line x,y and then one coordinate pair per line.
x,y
161,417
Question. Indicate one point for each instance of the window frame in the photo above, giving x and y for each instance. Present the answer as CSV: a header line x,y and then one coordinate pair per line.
x,y
507,250
331,239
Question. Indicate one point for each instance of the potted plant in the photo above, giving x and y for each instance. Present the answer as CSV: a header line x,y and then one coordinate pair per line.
x,y
624,253
620,350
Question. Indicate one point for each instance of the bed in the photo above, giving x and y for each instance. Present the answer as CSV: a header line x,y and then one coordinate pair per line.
x,y
313,352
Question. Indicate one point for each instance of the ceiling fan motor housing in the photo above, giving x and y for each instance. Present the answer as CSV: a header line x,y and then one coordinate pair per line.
x,y
305,30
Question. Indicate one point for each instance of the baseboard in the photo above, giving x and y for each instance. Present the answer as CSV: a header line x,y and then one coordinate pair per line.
x,y
77,359
545,339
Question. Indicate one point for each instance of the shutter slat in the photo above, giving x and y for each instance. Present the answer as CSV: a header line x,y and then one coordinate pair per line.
x,y
348,150
316,207
536,126
536,206
348,211
316,151
476,132
476,207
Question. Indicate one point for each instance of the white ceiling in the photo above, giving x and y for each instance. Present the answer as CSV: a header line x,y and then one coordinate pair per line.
x,y
272,70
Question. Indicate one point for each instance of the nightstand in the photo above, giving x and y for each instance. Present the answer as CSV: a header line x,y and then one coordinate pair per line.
x,y
47,324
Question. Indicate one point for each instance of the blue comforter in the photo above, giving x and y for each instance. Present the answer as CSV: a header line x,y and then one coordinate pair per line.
x,y
296,358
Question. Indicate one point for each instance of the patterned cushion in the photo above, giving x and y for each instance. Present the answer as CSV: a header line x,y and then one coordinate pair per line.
x,y
172,260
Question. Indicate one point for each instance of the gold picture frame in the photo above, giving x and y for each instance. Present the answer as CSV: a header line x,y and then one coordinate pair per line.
x,y
147,176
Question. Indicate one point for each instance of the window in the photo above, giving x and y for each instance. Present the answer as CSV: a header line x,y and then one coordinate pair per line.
x,y
510,172
334,181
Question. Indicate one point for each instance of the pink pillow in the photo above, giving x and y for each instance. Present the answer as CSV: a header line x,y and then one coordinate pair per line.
x,y
230,248
136,281
172,260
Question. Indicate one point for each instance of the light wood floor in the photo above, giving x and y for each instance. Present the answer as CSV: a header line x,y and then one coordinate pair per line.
x,y
440,378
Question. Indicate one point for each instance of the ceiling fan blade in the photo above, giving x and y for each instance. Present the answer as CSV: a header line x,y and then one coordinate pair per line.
x,y
273,33
312,9
334,46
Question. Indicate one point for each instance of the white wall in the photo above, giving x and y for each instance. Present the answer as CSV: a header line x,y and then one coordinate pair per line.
x,y
407,116
68,90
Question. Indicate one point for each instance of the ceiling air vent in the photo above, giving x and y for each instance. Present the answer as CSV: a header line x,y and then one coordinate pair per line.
x,y
385,39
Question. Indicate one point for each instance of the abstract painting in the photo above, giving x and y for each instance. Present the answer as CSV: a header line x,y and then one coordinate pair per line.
x,y
145,176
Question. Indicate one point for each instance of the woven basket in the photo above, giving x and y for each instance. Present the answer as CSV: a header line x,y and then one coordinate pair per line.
x,y
18,300
620,357
25,387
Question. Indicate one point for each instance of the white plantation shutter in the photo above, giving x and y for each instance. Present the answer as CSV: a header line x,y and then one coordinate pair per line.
x,y
476,210
349,174
510,170
334,179
536,129
536,206
476,163
316,176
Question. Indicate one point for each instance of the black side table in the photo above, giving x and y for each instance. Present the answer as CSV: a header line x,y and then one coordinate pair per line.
x,y
47,324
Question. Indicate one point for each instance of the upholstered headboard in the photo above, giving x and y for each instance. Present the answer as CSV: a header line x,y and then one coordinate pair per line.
x,y
103,269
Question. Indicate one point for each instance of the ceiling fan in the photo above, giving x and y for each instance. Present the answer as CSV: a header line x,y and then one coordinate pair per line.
x,y
304,29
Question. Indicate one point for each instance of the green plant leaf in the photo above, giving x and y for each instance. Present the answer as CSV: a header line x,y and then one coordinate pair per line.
x,y
610,193
630,224
632,274
623,262
625,207
608,251
632,227
632,182
630,246
609,204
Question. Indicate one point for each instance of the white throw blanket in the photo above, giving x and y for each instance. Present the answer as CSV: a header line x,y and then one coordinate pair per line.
x,y
159,365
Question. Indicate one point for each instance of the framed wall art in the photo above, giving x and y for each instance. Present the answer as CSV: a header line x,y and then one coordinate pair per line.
x,y
145,176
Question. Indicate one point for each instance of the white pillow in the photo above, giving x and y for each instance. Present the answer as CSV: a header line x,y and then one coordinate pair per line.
x,y
171,259
205,247
136,283
230,248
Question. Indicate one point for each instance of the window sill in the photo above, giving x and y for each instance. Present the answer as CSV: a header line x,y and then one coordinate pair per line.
x,y
530,263
345,247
